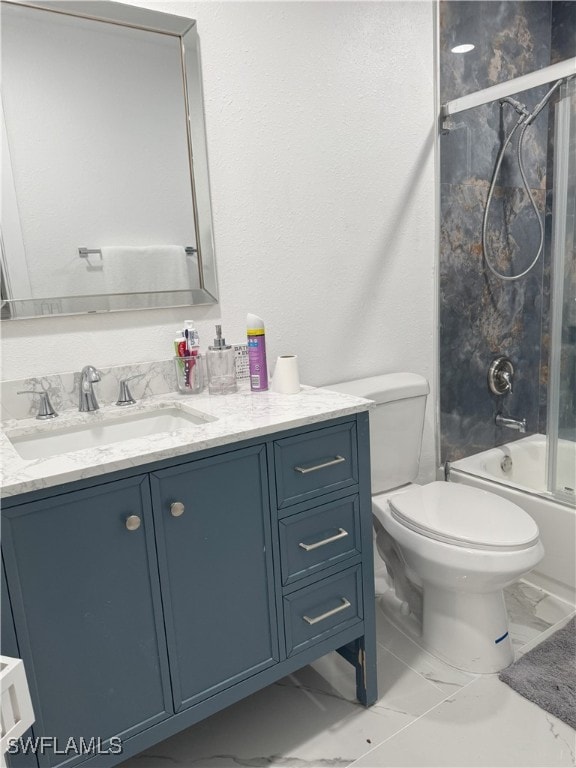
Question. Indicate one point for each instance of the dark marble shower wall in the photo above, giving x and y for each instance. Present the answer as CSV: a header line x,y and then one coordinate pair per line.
x,y
482,316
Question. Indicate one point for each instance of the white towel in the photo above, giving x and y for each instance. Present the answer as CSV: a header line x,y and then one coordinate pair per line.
x,y
137,269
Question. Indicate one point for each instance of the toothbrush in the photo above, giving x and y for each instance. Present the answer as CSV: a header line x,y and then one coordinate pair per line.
x,y
191,352
181,347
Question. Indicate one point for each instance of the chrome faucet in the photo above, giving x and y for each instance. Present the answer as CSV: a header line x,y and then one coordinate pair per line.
x,y
504,421
88,377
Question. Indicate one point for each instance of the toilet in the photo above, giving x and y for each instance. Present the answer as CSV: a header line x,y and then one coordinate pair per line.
x,y
449,549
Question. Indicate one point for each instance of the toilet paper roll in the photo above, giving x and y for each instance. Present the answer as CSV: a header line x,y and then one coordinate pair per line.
x,y
286,380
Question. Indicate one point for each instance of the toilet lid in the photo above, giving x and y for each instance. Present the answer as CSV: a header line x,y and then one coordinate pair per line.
x,y
464,516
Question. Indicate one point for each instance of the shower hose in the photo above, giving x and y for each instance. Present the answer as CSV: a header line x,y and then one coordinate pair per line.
x,y
525,120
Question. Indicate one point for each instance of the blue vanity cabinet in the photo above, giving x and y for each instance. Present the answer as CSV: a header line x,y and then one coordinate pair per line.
x,y
82,577
145,602
215,555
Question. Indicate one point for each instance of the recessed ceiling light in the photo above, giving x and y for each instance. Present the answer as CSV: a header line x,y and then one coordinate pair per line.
x,y
463,48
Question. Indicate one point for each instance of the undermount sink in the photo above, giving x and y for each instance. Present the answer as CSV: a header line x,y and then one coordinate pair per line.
x,y
80,436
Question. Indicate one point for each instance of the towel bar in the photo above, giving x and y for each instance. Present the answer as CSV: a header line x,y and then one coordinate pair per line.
x,y
84,253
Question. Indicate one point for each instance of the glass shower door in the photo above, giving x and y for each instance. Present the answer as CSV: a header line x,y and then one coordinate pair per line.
x,y
562,382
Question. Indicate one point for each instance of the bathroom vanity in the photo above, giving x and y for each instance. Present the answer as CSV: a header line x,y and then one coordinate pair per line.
x,y
149,583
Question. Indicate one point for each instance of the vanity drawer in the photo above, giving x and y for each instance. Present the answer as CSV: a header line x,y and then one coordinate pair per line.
x,y
314,613
319,538
314,463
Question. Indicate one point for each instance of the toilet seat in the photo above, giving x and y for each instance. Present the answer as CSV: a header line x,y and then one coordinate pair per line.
x,y
464,517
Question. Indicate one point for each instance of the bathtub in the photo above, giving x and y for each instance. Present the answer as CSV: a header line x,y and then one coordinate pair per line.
x,y
517,471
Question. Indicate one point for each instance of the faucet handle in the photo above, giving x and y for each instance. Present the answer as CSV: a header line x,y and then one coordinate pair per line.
x,y
506,378
500,375
125,396
46,411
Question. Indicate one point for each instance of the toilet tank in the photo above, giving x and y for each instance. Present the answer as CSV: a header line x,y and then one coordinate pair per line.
x,y
396,425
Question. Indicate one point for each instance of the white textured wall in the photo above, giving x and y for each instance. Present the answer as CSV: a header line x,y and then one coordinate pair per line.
x,y
320,124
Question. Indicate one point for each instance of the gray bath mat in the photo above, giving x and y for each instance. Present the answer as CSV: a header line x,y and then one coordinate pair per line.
x,y
546,675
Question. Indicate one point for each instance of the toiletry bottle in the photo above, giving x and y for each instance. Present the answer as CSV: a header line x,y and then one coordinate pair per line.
x,y
220,363
257,353
192,337
180,345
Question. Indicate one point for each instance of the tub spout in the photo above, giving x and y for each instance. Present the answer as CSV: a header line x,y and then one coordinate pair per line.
x,y
504,421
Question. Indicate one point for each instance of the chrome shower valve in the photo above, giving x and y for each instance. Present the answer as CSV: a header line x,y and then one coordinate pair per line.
x,y
500,375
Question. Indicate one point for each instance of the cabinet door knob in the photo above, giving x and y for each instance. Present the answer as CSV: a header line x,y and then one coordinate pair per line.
x,y
133,522
176,508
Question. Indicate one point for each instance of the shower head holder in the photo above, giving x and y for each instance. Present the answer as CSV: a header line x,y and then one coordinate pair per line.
x,y
522,109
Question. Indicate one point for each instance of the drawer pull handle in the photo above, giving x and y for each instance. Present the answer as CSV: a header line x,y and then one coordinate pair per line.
x,y
335,460
316,619
340,535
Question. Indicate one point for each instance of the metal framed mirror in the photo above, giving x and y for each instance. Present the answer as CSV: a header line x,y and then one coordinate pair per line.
x,y
105,188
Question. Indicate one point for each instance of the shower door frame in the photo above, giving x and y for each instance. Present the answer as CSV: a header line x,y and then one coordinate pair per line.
x,y
564,171
558,71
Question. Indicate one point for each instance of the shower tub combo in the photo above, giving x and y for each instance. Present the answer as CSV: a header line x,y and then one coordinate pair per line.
x,y
518,472
537,472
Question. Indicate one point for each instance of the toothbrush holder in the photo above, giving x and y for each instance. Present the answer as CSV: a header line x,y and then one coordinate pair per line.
x,y
189,374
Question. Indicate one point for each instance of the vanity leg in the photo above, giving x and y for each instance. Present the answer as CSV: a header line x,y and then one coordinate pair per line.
x,y
361,654
366,671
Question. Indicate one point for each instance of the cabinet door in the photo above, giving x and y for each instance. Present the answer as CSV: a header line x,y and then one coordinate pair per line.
x,y
82,578
214,551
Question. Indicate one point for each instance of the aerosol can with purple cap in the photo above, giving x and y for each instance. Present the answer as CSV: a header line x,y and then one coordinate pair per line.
x,y
257,353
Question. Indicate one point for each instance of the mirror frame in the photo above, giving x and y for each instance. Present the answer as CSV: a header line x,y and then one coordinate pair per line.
x,y
152,21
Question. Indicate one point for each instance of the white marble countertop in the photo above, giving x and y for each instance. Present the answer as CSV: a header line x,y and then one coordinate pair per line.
x,y
238,417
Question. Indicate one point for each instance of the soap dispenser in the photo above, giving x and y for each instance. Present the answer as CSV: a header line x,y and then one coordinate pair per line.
x,y
220,364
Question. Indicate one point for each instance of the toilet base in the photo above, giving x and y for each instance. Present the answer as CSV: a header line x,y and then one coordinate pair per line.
x,y
466,630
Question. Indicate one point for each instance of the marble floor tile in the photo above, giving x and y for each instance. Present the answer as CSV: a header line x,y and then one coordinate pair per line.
x,y
448,679
308,719
485,724
544,635
532,611
401,689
